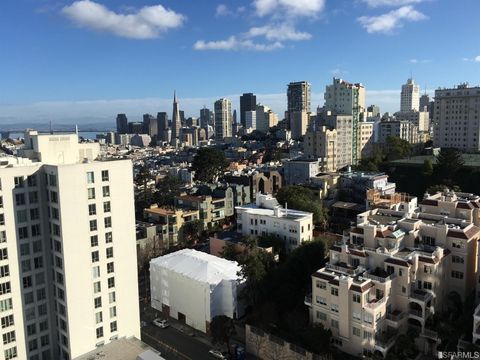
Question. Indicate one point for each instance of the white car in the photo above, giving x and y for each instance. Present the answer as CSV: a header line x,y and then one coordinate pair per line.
x,y
161,323
218,354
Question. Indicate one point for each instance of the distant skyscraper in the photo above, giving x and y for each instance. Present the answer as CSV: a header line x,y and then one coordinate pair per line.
x,y
150,126
410,96
234,119
223,119
424,101
182,117
373,110
135,128
251,120
248,102
205,118
176,119
122,124
298,96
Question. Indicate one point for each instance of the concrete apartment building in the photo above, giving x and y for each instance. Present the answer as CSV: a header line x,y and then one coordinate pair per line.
x,y
211,209
265,118
299,171
67,230
419,118
404,130
321,144
266,216
457,118
394,269
223,119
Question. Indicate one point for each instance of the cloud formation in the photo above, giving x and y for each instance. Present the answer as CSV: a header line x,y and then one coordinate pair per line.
x,y
224,10
419,61
235,44
387,23
288,8
378,3
477,59
279,32
146,23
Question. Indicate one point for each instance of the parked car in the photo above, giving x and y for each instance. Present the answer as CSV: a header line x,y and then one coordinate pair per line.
x,y
161,323
218,354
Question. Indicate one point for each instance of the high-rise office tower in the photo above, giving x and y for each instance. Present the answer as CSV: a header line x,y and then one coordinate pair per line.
x,y
182,117
373,111
410,96
455,118
298,96
135,128
266,118
176,119
234,117
150,126
223,119
122,124
424,102
248,102
67,231
205,119
344,98
162,125
251,120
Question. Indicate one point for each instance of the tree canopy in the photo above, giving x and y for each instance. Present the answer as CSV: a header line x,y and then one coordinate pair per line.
x,y
209,164
222,329
167,189
449,163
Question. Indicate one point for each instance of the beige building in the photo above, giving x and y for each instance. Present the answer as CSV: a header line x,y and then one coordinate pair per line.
x,y
410,96
365,139
456,118
394,270
322,144
67,230
419,118
404,130
223,119
299,121
266,217
265,118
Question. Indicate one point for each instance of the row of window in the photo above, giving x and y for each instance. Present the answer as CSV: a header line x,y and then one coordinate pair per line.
x,y
105,192
91,176
107,222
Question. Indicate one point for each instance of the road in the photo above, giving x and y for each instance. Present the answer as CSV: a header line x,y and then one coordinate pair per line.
x,y
174,344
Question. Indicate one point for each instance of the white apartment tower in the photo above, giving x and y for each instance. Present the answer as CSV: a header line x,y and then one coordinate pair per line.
x,y
67,234
223,119
410,96
457,118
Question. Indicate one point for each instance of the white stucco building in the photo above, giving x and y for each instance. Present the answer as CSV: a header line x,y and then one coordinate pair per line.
x,y
194,287
67,237
266,216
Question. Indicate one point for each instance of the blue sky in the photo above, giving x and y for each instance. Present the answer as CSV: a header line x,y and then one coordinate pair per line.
x,y
84,61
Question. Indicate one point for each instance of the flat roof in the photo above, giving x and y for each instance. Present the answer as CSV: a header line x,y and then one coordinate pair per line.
x,y
122,349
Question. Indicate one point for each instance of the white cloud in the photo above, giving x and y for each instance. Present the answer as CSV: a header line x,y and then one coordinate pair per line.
x,y
477,59
377,3
223,10
390,21
278,32
288,8
146,23
419,61
235,44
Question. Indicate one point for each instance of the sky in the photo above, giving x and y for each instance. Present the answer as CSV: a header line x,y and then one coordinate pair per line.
x,y
84,61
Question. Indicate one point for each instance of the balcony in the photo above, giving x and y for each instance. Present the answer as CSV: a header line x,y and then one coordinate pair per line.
x,y
344,268
396,315
384,341
308,300
375,303
420,294
417,313
379,275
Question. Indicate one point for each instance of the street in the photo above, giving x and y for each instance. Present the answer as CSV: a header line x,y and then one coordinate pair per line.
x,y
174,344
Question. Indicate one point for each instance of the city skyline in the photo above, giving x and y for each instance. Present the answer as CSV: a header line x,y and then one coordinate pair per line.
x,y
67,68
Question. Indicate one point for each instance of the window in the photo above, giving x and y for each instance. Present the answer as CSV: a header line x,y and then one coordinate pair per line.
x,y
427,285
356,298
106,207
36,230
56,229
20,199
113,326
23,232
112,297
31,329
37,246
92,209
32,180
90,177
94,240
96,271
52,180
59,278
55,213
106,191
44,325
110,268
108,237
334,307
7,321
93,225
320,300
457,259
457,274
10,353
5,288
97,302
367,335
3,236
54,197
356,331
21,217
6,305
91,193
95,256
113,311
34,214
1,202
97,287
105,176
321,316
98,317
3,254
8,337
334,291
334,323
99,332
368,318
58,262
321,284
18,181
33,197
111,282
4,271
27,282
109,252
44,340
26,265
41,294
108,222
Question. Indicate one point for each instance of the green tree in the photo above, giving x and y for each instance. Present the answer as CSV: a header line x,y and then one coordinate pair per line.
x,y
229,251
427,169
449,163
270,240
192,231
222,329
209,164
167,189
396,148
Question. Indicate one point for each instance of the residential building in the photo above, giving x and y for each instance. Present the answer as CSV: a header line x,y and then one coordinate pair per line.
x,y
123,349
457,118
299,171
122,124
205,119
404,130
67,230
223,119
299,121
299,97
267,217
194,287
354,185
344,126
393,270
344,98
373,111
265,118
419,118
248,102
410,96
321,144
366,138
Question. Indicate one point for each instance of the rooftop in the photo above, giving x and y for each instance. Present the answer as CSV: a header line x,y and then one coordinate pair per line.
x,y
122,349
